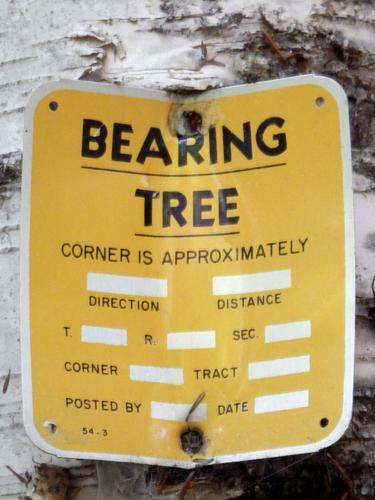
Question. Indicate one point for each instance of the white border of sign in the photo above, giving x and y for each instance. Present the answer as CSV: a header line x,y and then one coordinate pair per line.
x,y
339,95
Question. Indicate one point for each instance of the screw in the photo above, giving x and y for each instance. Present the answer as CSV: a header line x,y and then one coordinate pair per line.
x,y
191,440
53,105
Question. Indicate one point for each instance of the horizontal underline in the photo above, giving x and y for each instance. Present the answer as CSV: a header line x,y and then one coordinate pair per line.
x,y
235,171
184,235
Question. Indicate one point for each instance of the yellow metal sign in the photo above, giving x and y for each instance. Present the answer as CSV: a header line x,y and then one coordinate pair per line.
x,y
187,272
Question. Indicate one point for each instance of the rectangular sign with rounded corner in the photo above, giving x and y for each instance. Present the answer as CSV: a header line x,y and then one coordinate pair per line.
x,y
187,271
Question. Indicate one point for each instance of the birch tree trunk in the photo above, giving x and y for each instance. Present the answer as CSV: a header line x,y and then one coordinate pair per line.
x,y
182,47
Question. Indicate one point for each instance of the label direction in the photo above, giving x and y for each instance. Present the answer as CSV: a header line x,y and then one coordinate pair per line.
x,y
186,289
127,285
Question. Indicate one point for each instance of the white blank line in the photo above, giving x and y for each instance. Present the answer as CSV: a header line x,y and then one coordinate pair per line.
x,y
127,285
177,411
191,340
288,331
104,335
281,402
174,376
249,283
279,367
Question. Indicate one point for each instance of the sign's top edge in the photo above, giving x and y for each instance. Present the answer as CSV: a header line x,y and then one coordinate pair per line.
x,y
329,84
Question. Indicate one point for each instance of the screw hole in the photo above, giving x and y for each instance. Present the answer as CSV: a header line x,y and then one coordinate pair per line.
x,y
51,426
193,121
53,105
319,101
324,422
191,440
